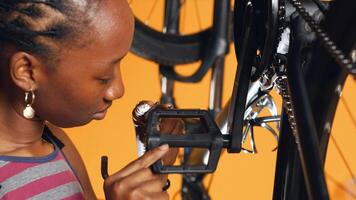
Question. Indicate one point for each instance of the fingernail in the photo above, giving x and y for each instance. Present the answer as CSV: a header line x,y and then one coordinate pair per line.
x,y
163,147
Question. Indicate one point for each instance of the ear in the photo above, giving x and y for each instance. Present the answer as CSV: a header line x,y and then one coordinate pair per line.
x,y
22,68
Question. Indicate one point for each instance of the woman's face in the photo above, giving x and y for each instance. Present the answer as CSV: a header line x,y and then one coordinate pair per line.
x,y
88,79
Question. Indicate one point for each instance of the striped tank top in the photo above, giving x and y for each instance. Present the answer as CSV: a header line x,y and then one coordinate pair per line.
x,y
47,177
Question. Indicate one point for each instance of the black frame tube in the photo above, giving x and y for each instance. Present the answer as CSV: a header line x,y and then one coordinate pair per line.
x,y
306,135
242,80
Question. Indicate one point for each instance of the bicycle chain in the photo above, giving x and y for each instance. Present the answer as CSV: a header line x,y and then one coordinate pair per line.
x,y
281,12
269,71
282,84
282,80
330,45
281,21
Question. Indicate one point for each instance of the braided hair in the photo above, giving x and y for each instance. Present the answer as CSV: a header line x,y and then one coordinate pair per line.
x,y
43,26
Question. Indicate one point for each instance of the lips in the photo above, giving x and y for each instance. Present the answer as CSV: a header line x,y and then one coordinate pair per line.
x,y
105,109
101,114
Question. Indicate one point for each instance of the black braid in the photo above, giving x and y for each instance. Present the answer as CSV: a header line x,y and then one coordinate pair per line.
x,y
40,26
32,10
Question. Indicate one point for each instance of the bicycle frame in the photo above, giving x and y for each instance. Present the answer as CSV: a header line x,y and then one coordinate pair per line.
x,y
305,138
310,157
306,141
306,148
221,33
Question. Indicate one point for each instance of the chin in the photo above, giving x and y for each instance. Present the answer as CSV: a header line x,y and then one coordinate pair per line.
x,y
70,124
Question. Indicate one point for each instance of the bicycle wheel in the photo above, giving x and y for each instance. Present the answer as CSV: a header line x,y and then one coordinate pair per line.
x,y
324,80
176,43
155,43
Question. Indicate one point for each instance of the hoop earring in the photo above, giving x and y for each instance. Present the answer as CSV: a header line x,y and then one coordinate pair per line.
x,y
29,112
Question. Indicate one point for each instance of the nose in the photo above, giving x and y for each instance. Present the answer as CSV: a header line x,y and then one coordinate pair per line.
x,y
116,89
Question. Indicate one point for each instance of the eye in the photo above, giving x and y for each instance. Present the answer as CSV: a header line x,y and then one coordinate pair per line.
x,y
104,81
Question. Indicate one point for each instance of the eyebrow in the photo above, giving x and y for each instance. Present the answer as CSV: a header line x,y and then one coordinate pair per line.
x,y
116,60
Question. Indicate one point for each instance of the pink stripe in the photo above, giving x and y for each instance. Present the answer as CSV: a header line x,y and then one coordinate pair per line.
x,y
41,185
14,168
78,196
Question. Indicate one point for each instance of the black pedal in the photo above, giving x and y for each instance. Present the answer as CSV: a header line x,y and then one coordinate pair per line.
x,y
210,139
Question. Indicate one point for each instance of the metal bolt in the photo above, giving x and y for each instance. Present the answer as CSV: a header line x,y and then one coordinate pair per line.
x,y
353,71
327,127
307,27
192,179
353,55
184,189
253,70
338,90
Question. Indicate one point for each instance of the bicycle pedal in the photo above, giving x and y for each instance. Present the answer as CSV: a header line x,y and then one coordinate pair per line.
x,y
211,139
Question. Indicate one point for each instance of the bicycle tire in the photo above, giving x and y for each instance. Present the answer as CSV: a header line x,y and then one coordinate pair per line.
x,y
168,49
322,77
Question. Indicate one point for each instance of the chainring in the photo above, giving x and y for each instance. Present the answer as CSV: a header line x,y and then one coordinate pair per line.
x,y
269,21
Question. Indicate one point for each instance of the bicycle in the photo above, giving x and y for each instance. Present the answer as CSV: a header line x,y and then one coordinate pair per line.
x,y
295,91
185,49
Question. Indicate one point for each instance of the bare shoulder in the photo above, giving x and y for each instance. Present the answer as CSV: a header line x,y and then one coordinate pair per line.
x,y
74,159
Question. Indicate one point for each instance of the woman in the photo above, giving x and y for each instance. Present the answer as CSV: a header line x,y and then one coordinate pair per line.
x,y
58,63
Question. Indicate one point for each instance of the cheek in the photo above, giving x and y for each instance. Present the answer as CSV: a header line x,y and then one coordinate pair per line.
x,y
68,103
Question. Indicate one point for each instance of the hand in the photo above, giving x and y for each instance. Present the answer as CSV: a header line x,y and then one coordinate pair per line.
x,y
136,181
172,126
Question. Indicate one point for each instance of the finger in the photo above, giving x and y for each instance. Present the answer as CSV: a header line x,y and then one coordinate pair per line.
x,y
166,125
144,161
139,176
160,196
171,156
167,106
178,128
153,196
163,177
169,125
153,185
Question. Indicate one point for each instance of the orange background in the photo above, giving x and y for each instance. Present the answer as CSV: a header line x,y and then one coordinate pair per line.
x,y
239,176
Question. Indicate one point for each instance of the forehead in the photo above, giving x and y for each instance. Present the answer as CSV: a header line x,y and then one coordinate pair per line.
x,y
109,37
113,24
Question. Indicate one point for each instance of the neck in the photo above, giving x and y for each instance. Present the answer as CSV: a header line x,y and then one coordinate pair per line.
x,y
15,130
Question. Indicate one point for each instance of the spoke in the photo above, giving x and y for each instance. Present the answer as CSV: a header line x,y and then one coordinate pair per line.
x,y
247,151
184,14
247,129
343,158
197,14
271,130
260,120
341,186
151,11
175,18
252,141
343,100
